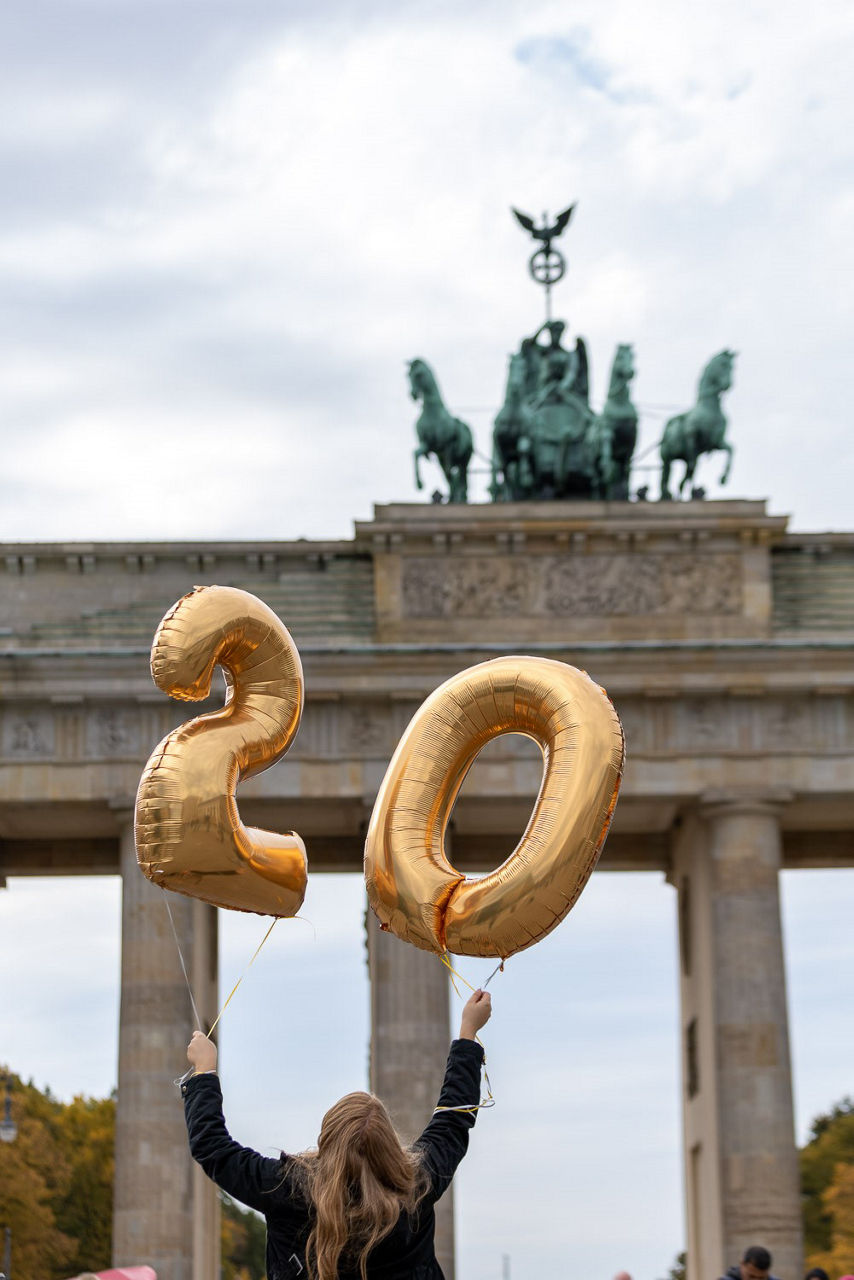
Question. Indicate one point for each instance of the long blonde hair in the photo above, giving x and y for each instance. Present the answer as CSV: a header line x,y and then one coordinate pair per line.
x,y
357,1183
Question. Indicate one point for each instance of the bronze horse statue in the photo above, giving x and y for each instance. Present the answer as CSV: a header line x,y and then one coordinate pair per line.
x,y
618,423
447,438
700,430
512,475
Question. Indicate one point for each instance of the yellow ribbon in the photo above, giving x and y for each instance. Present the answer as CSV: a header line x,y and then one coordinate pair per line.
x,y
243,974
488,1101
209,1033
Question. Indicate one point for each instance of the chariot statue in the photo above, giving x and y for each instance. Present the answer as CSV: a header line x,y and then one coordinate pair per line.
x,y
547,441
540,444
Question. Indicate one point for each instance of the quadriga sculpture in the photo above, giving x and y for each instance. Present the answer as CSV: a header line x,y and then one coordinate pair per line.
x,y
440,433
700,430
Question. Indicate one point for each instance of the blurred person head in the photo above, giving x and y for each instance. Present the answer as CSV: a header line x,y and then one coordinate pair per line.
x,y
756,1263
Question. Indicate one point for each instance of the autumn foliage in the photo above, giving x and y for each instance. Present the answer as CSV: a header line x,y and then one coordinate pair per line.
x,y
827,1184
56,1183
56,1192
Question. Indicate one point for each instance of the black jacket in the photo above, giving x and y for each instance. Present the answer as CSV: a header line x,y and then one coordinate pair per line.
x,y
263,1183
734,1273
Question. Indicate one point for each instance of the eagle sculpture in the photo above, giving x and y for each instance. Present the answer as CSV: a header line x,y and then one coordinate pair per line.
x,y
545,233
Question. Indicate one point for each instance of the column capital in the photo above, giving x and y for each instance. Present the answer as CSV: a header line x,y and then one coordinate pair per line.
x,y
729,801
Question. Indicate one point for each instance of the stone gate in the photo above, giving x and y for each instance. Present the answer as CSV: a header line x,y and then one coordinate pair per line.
x,y
726,644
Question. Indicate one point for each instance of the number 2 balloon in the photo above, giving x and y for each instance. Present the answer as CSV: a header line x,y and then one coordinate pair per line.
x,y
189,836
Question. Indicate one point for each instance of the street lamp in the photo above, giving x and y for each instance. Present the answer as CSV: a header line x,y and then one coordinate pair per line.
x,y
8,1128
8,1133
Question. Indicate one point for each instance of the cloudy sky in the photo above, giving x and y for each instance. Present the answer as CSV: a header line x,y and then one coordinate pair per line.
x,y
225,229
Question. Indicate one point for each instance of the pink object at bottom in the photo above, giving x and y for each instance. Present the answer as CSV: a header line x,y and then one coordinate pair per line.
x,y
120,1273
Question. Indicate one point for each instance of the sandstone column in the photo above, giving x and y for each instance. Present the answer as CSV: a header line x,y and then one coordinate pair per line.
x,y
166,1213
410,1036
741,1170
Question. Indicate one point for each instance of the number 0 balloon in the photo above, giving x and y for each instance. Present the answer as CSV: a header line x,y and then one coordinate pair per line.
x,y
189,836
412,887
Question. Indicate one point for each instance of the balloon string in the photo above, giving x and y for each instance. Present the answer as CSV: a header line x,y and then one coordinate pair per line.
x,y
192,1070
454,974
243,974
488,1101
183,966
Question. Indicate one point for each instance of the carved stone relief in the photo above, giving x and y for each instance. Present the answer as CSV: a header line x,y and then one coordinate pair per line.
x,y
786,719
706,724
643,583
28,735
366,730
441,588
113,732
640,583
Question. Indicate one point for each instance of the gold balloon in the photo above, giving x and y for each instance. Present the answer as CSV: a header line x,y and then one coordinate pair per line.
x,y
189,836
413,888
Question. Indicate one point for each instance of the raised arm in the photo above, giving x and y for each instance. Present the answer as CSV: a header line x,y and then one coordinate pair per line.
x,y
240,1171
445,1140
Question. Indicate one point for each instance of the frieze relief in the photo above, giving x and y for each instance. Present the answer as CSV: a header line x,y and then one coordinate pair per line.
x,y
114,732
636,584
642,583
788,719
678,725
28,735
480,587
366,730
757,725
707,724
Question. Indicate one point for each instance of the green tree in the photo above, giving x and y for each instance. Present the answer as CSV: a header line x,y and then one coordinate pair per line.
x,y
244,1237
84,1131
827,1187
678,1269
